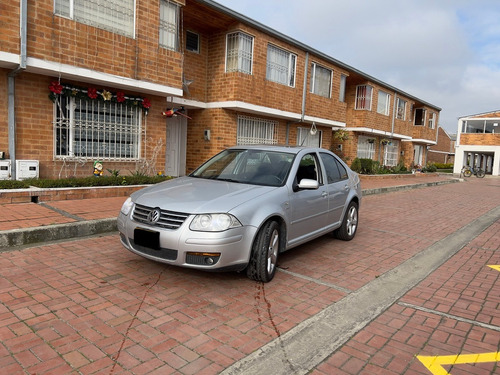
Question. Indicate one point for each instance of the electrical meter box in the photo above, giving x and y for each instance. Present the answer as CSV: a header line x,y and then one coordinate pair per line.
x,y
27,169
5,170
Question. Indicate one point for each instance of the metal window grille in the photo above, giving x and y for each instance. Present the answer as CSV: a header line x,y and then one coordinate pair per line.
x,y
169,25
239,53
255,131
391,154
93,129
117,16
364,97
280,66
366,150
321,80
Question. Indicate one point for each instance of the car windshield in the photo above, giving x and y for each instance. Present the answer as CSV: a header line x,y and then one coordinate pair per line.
x,y
257,167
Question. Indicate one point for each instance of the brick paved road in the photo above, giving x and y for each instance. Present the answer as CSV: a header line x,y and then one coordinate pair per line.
x,y
91,307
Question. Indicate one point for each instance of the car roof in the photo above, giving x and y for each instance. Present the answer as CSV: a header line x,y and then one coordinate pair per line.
x,y
278,148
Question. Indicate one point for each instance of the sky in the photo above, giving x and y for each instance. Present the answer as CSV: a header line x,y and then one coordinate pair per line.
x,y
444,52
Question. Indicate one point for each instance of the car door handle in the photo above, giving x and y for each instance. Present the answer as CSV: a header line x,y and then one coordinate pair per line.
x,y
324,194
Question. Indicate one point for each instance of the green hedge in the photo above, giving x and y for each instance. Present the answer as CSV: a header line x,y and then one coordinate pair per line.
x,y
83,182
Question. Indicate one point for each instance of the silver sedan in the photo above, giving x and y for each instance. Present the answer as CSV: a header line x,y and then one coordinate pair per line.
x,y
242,208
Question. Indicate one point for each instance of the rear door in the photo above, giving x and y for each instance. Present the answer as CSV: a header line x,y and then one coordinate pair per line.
x,y
337,186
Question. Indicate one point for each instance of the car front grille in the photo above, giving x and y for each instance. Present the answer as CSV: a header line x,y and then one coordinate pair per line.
x,y
167,220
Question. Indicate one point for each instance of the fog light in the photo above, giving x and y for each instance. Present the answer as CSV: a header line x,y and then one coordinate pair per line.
x,y
202,259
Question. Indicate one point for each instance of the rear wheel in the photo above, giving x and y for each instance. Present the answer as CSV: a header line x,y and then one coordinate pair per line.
x,y
265,251
480,173
467,173
347,230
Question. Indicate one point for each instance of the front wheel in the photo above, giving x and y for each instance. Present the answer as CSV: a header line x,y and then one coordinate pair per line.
x,y
480,173
467,173
265,251
347,230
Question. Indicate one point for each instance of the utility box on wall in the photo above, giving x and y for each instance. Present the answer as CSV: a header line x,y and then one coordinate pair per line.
x,y
27,169
5,170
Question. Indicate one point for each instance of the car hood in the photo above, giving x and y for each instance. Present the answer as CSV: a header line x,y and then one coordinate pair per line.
x,y
198,195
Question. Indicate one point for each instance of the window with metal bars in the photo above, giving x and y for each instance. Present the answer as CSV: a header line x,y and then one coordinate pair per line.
x,y
391,154
86,129
255,131
364,97
280,66
117,16
169,25
239,52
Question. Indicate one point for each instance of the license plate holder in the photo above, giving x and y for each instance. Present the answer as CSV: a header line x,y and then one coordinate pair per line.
x,y
147,238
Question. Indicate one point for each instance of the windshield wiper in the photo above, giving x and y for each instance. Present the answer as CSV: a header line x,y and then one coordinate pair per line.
x,y
228,180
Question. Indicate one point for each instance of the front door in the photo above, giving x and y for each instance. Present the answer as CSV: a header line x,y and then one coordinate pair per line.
x,y
175,150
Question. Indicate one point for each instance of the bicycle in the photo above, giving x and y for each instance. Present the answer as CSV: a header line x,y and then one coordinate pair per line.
x,y
467,171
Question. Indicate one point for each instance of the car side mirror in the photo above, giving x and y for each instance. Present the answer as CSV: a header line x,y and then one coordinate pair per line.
x,y
308,184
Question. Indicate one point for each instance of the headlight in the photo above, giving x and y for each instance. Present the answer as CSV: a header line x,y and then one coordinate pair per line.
x,y
127,206
214,222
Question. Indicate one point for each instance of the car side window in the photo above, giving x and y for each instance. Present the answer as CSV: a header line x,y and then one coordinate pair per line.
x,y
335,171
308,168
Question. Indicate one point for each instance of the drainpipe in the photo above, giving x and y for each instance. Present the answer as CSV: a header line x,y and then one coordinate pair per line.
x,y
11,84
304,91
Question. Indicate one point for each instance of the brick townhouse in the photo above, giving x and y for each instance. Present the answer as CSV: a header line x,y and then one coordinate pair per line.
x,y
147,86
444,151
478,142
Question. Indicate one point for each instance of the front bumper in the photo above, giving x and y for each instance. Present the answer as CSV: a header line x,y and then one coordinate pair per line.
x,y
227,250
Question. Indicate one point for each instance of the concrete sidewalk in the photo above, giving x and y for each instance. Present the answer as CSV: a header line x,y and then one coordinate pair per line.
x,y
23,224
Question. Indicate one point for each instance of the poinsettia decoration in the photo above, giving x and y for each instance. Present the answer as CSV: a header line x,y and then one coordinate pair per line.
x,y
92,93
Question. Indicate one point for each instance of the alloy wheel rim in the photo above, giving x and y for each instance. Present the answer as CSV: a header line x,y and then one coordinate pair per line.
x,y
352,221
272,251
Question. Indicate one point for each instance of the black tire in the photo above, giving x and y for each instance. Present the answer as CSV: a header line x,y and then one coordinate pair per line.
x,y
467,173
265,251
347,230
480,173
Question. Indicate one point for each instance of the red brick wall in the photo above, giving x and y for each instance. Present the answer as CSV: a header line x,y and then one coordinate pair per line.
x,y
9,26
480,139
59,39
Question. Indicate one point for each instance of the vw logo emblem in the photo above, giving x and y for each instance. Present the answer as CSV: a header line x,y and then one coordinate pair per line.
x,y
154,216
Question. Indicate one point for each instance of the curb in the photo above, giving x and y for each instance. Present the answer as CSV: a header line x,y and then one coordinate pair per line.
x,y
30,236
391,189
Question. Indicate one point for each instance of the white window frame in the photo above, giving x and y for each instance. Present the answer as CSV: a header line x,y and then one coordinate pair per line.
x,y
117,16
343,84
422,119
280,66
418,155
401,109
366,147
253,130
96,130
364,96
239,52
383,103
391,154
169,25
305,138
432,120
321,80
